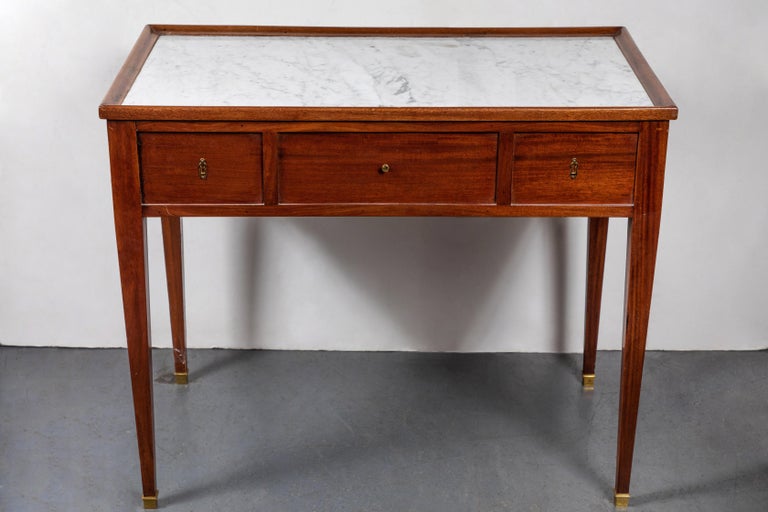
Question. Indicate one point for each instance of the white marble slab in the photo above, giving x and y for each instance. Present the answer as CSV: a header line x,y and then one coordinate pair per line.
x,y
386,72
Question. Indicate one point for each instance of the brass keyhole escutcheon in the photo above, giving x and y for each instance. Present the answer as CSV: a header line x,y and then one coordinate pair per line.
x,y
574,168
384,168
202,169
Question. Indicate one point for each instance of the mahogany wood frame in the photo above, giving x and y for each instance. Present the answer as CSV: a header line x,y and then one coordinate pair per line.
x,y
126,122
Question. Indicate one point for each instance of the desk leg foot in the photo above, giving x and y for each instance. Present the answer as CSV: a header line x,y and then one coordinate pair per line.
x,y
588,381
181,377
150,502
620,500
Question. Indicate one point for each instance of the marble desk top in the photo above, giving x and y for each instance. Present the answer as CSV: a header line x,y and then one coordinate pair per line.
x,y
374,71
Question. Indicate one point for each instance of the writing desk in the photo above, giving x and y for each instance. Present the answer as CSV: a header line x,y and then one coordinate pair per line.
x,y
265,121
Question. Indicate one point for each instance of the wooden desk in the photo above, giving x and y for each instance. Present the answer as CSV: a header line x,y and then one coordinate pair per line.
x,y
247,121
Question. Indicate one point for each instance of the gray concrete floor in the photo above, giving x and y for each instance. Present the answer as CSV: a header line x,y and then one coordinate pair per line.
x,y
349,431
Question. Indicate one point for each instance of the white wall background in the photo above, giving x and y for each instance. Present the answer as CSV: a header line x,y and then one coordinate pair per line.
x,y
405,284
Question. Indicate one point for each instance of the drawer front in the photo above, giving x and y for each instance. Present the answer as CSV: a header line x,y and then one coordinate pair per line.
x,y
458,168
172,171
574,168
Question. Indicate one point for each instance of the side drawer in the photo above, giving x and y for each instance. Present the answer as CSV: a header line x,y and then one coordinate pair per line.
x,y
574,168
457,168
172,172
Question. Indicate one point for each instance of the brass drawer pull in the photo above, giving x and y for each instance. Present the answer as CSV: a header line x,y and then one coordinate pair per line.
x,y
574,168
384,168
202,169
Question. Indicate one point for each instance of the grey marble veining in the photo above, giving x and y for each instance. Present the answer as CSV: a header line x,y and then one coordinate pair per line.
x,y
386,72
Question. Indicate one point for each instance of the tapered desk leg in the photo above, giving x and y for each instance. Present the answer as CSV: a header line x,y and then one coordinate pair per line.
x,y
596,241
174,272
643,232
643,235
130,232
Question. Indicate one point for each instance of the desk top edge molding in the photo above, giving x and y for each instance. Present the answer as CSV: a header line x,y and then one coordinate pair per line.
x,y
663,108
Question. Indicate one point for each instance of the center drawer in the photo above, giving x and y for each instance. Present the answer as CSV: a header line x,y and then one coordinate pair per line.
x,y
458,168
